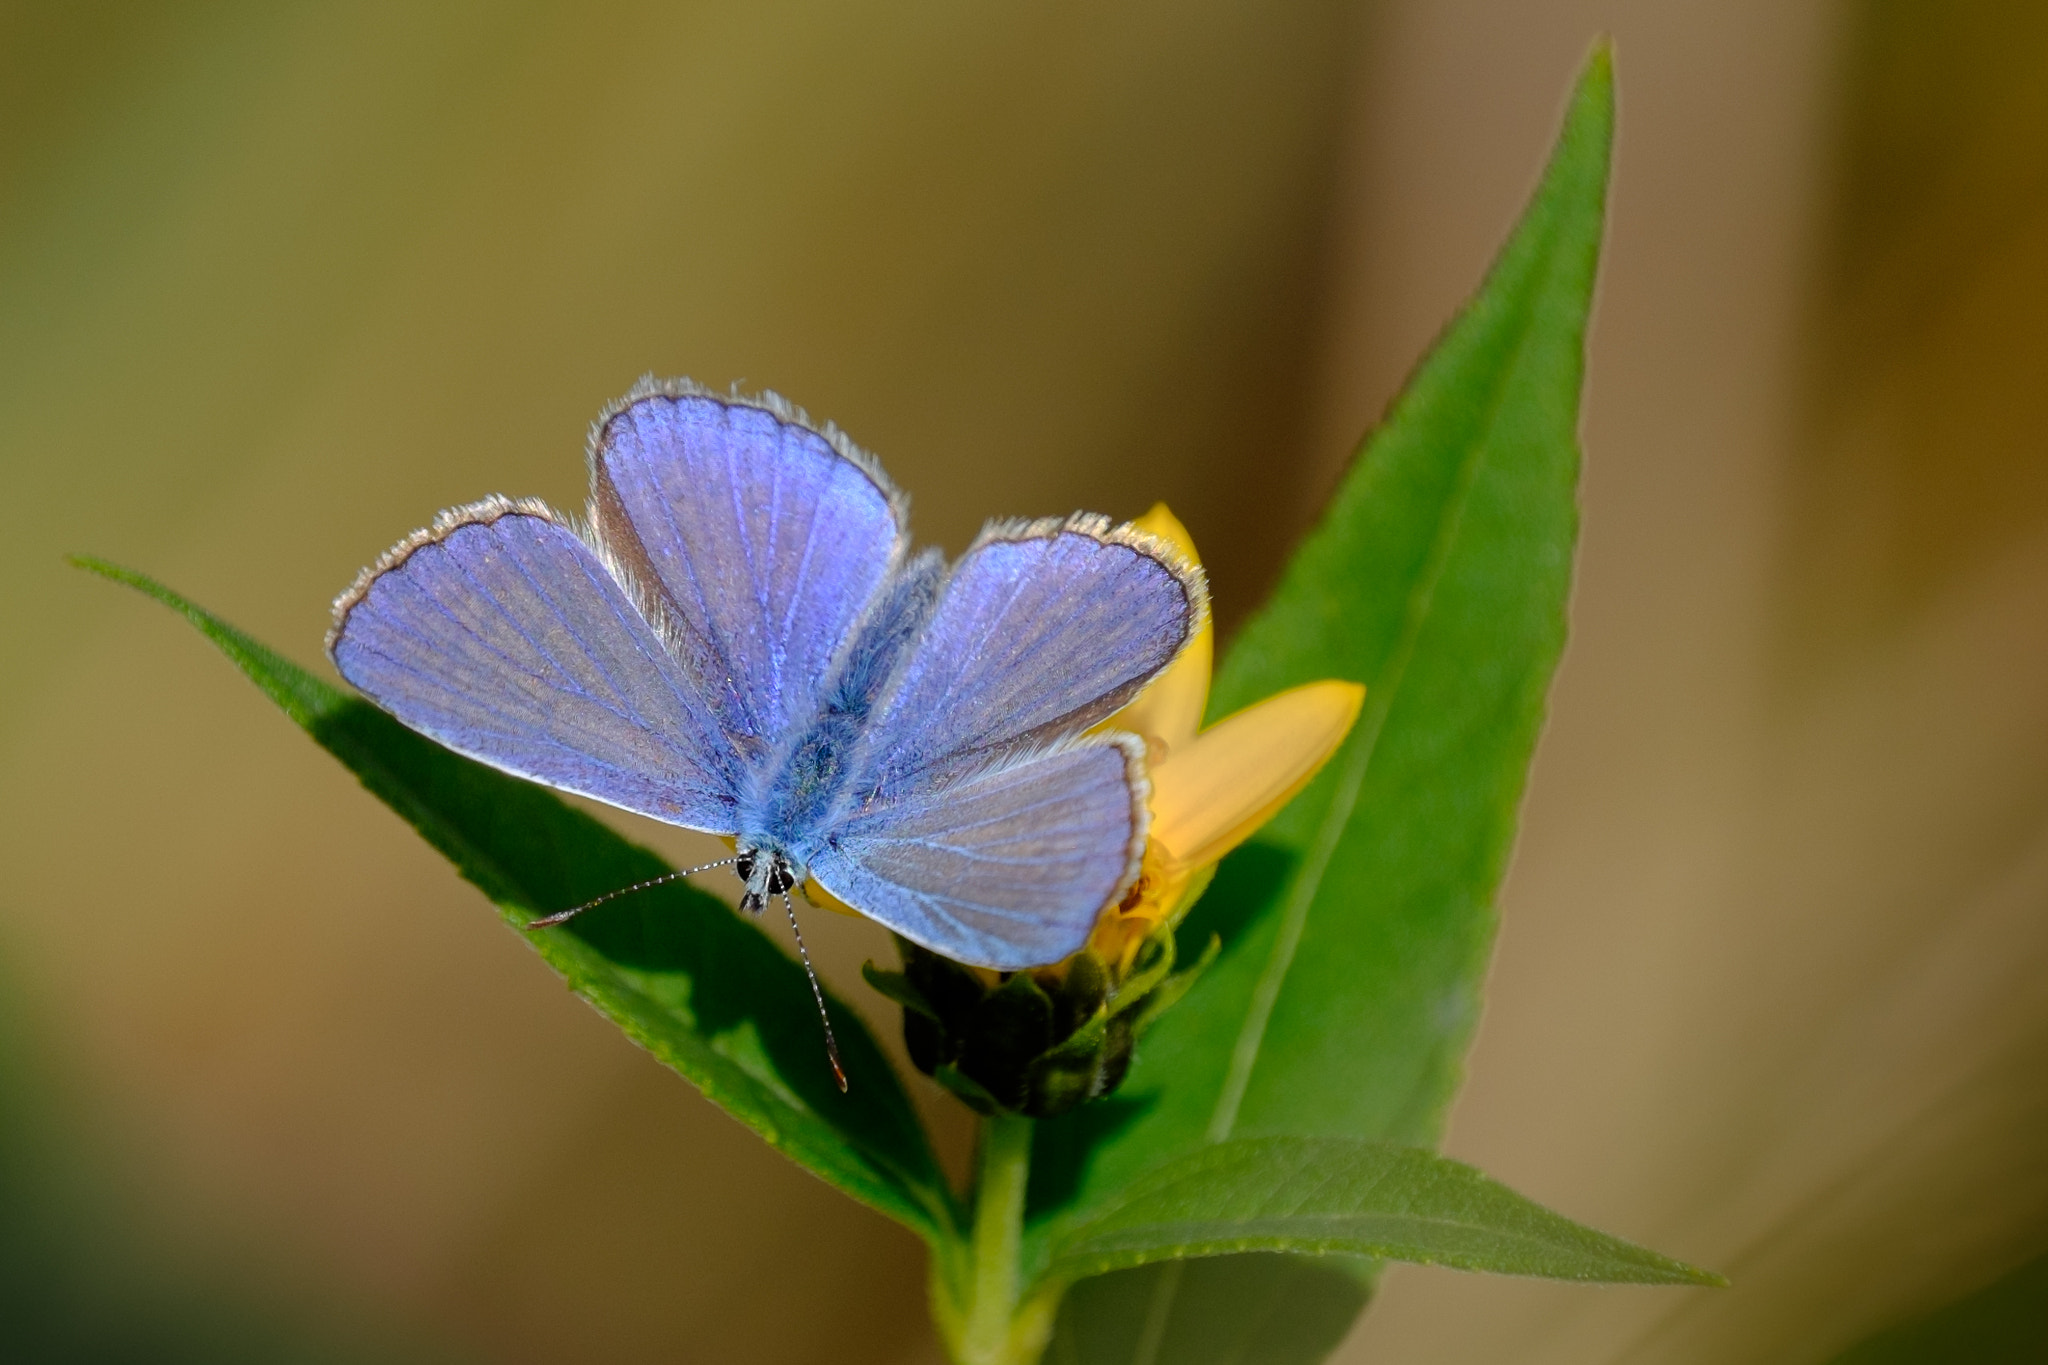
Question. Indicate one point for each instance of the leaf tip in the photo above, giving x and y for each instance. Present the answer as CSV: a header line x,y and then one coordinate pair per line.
x,y
1600,61
93,564
1670,1270
1593,94
141,582
115,573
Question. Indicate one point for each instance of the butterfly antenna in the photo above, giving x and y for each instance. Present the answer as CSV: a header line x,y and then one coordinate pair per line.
x,y
817,994
564,916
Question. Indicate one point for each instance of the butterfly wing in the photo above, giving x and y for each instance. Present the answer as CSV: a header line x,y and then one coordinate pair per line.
x,y
501,634
1005,867
1043,629
981,829
765,537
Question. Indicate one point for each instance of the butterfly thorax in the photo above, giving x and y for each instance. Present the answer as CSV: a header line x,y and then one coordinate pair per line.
x,y
794,803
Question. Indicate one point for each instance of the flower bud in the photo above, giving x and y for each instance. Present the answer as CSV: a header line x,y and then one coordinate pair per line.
x,y
1036,1043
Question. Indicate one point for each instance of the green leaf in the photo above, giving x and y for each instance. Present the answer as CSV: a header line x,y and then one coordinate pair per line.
x,y
1218,1310
703,990
1338,1195
1357,927
2005,1323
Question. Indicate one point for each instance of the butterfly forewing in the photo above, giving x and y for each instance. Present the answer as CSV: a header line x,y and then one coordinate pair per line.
x,y
765,539
1042,630
502,635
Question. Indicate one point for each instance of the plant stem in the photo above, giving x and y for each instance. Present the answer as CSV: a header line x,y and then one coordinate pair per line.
x,y
995,1328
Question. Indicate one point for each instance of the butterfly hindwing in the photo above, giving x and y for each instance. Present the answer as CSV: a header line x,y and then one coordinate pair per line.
x,y
1005,867
501,634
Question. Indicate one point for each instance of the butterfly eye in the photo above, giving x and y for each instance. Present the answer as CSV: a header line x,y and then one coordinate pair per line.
x,y
780,879
744,865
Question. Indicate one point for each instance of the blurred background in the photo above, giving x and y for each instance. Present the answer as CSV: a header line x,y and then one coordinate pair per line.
x,y
279,281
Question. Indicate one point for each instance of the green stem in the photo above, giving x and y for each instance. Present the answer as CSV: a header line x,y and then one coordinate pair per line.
x,y
995,1326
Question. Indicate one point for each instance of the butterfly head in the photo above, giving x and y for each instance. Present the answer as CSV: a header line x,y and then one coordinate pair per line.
x,y
766,873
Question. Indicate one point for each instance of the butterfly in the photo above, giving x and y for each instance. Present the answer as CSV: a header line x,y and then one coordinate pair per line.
x,y
739,639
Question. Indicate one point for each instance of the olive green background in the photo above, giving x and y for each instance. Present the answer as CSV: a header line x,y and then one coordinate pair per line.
x,y
279,281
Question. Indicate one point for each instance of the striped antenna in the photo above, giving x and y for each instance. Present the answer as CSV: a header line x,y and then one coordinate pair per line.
x,y
817,994
564,916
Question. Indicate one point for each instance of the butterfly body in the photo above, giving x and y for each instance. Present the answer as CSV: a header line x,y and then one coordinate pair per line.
x,y
741,642
812,782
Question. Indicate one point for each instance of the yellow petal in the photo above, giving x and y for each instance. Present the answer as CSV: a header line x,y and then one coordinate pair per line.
x,y
1169,711
1209,796
1161,522
817,895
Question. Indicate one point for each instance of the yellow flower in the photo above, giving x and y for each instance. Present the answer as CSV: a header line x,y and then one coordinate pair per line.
x,y
1211,788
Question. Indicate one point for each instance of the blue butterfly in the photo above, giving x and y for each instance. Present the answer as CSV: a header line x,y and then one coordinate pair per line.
x,y
739,640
